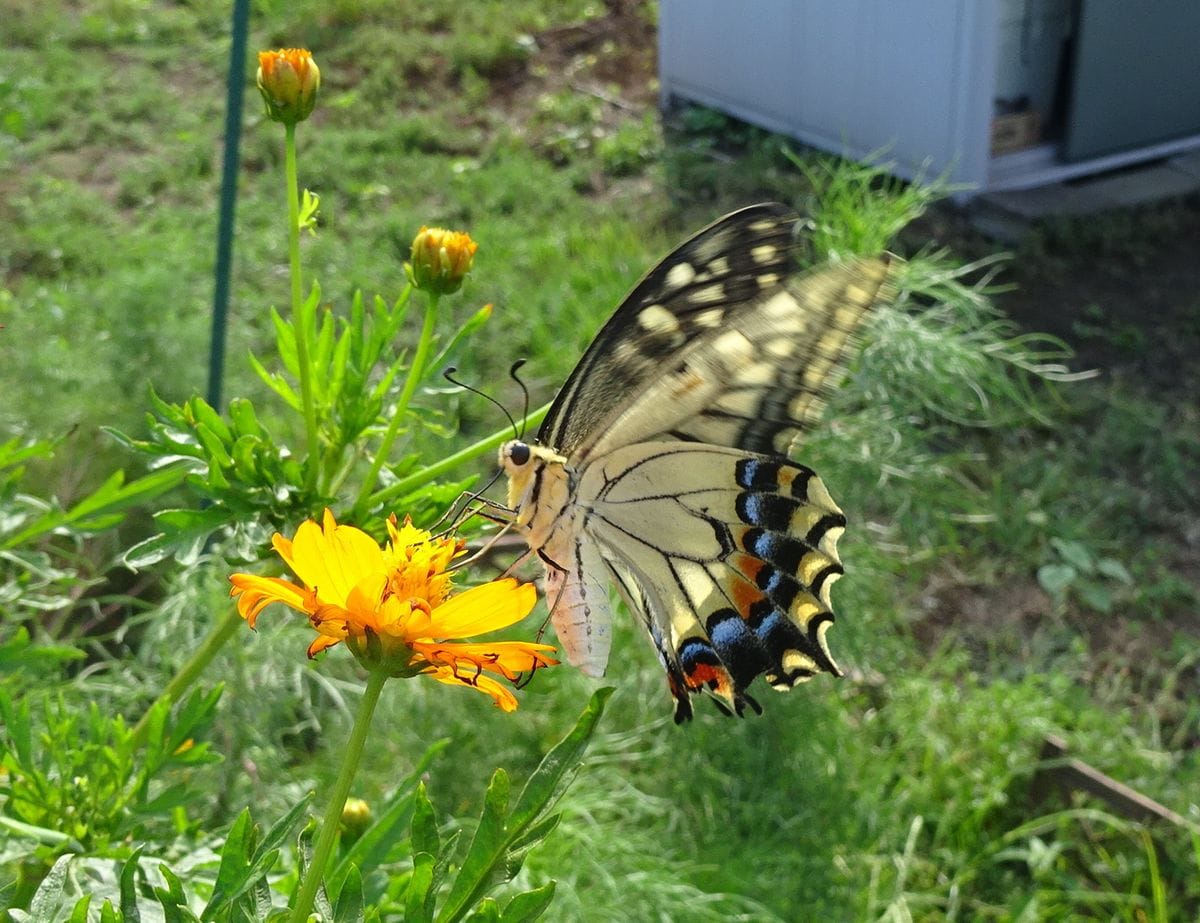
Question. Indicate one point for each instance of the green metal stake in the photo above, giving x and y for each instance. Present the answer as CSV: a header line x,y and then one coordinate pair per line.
x,y
229,173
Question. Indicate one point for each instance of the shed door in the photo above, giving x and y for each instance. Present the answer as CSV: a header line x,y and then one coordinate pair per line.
x,y
1136,76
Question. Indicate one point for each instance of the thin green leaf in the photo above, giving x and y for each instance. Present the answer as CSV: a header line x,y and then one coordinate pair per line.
x,y
276,383
129,901
488,911
421,895
529,906
425,836
80,913
484,854
1114,570
559,766
349,907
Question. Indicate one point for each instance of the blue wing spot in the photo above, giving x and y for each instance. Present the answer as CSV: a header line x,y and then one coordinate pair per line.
x,y
770,511
737,645
758,474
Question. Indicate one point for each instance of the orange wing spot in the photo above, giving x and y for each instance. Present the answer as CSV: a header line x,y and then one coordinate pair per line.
x,y
748,566
785,477
716,678
745,593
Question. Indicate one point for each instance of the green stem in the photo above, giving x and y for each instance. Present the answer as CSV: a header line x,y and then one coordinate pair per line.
x,y
299,319
437,469
195,665
415,372
337,799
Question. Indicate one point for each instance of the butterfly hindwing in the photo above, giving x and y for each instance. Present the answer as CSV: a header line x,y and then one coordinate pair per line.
x,y
729,568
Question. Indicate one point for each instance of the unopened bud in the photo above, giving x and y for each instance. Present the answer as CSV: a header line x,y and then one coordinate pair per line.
x,y
288,80
441,260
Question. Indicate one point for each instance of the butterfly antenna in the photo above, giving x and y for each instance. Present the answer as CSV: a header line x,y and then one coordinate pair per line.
x,y
448,374
512,373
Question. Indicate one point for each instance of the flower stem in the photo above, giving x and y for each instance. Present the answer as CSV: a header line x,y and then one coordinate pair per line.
x,y
195,665
337,798
299,318
437,469
415,373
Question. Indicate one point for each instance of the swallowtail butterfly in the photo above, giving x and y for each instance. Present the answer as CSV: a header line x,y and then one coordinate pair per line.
x,y
662,466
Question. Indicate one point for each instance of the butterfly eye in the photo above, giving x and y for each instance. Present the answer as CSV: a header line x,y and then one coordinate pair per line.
x,y
518,453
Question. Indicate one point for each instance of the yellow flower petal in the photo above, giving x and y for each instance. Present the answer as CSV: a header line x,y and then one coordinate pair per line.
x,y
319,644
501,695
254,593
508,658
333,559
480,609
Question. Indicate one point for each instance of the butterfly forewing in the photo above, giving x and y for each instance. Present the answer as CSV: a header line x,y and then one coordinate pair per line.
x,y
688,296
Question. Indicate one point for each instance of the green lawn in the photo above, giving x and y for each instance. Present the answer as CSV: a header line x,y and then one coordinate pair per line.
x,y
1018,559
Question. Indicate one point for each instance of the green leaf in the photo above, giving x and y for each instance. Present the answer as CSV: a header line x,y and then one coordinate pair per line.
x,y
349,905
18,722
79,914
1095,596
148,551
207,417
1115,570
485,852
488,911
99,508
276,383
244,419
473,323
173,898
129,902
233,872
18,653
285,343
425,836
1055,578
218,456
529,905
498,830
108,914
47,900
1076,554
520,846
421,895
560,765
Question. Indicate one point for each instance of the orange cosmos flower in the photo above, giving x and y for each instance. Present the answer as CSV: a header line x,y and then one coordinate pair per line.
x,y
394,608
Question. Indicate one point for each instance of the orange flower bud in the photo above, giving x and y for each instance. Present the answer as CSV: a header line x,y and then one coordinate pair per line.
x,y
441,260
288,80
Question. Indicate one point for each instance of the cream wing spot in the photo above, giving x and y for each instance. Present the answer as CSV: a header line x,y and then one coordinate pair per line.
x,y
710,294
680,275
657,319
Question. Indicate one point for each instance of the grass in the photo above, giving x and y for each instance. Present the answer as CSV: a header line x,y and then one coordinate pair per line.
x,y
961,445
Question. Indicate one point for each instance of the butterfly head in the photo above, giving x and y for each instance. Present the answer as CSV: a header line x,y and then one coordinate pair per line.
x,y
522,462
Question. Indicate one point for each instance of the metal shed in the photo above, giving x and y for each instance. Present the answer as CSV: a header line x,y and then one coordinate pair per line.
x,y
997,94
